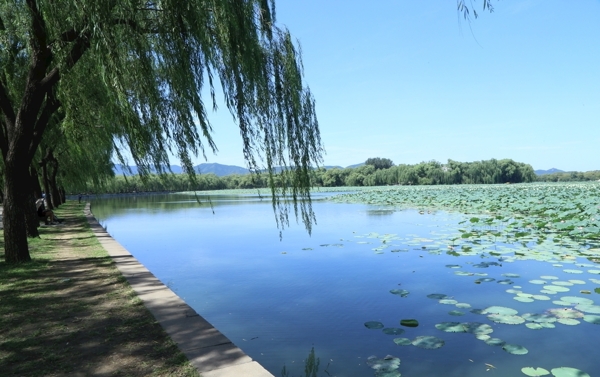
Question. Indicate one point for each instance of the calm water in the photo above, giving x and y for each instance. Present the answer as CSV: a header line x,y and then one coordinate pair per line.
x,y
278,298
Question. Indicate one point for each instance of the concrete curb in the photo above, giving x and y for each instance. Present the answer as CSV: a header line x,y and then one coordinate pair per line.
x,y
208,350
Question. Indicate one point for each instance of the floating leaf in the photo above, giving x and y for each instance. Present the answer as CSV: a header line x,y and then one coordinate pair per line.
x,y
409,322
388,363
510,275
462,305
549,277
392,331
577,300
477,328
403,341
556,288
534,372
568,321
400,292
506,319
428,342
448,301
456,313
523,299
495,342
451,327
437,296
500,310
537,281
515,349
591,318
577,281
568,372
570,271
373,325
534,326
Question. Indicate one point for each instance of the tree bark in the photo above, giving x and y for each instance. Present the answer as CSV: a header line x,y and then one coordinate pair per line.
x,y
37,189
16,203
54,194
32,220
46,182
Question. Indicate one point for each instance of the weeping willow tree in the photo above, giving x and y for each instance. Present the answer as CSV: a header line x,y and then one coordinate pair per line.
x,y
138,69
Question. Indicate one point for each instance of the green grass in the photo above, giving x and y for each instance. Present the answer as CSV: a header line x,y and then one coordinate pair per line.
x,y
70,311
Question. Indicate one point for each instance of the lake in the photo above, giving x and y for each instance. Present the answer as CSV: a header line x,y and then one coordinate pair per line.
x,y
344,289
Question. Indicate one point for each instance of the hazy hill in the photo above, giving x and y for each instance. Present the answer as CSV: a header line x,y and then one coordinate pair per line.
x,y
549,171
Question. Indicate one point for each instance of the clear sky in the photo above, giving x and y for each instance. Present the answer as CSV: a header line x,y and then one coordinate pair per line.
x,y
410,80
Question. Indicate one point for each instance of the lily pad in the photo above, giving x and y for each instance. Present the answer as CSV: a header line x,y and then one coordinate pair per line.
x,y
511,275
534,372
409,322
451,327
392,331
591,318
515,349
500,310
568,372
388,363
534,326
541,282
448,301
373,325
400,292
403,341
556,288
495,342
437,296
568,321
577,300
593,309
456,312
571,271
463,305
428,342
549,277
478,328
506,319
523,299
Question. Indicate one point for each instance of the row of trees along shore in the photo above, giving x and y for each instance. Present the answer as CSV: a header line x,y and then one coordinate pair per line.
x,y
82,81
375,172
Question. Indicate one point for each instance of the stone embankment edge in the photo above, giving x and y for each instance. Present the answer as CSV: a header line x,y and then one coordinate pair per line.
x,y
207,349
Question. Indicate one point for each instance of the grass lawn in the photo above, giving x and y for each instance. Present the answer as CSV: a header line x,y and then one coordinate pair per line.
x,y
71,313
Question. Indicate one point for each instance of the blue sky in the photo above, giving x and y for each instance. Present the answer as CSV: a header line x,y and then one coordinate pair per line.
x,y
409,80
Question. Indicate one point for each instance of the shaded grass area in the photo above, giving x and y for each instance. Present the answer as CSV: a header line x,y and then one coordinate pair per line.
x,y
69,312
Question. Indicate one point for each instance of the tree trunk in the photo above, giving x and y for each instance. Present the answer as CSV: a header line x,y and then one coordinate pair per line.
x,y
32,220
16,202
54,194
63,195
46,182
37,189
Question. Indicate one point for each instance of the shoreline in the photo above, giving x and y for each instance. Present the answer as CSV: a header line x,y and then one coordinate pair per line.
x,y
207,349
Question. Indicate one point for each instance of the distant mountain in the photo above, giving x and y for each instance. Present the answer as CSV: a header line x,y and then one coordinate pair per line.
x,y
219,170
549,171
355,165
208,168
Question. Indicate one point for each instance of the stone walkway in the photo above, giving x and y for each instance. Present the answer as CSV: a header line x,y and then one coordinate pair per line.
x,y
207,349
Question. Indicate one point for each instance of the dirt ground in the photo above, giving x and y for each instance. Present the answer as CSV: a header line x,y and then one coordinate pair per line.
x,y
71,313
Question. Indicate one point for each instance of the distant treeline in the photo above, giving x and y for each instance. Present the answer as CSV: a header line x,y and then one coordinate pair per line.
x,y
373,173
571,176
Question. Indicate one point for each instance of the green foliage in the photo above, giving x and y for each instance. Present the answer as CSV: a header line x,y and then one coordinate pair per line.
x,y
380,163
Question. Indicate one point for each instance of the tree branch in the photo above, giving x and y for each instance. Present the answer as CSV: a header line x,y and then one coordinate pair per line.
x,y
52,104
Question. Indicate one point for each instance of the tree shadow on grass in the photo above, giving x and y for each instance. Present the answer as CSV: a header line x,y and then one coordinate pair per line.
x,y
78,317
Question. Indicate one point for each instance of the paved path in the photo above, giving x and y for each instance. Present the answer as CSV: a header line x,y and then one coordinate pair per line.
x,y
207,349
